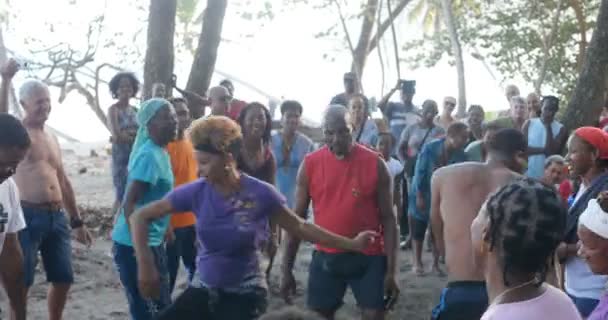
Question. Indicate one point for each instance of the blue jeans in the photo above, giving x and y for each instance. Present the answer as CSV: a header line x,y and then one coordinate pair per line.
x,y
584,305
182,247
126,264
47,232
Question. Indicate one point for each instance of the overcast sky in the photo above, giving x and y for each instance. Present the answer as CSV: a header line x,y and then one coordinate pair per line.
x,y
283,58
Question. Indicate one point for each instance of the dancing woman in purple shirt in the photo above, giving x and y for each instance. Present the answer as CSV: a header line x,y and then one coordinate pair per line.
x,y
233,211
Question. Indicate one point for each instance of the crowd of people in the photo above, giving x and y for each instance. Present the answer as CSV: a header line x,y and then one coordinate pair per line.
x,y
206,182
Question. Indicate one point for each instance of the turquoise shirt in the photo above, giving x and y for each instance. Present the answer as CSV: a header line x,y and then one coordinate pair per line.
x,y
151,165
428,162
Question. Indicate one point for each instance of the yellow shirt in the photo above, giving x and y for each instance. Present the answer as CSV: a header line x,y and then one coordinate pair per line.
x,y
185,171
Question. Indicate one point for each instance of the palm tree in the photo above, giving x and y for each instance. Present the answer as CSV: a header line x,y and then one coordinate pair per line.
x,y
435,13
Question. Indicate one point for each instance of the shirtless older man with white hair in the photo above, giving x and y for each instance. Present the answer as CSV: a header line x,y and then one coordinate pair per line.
x,y
45,192
458,192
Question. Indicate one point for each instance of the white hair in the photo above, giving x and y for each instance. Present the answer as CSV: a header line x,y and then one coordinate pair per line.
x,y
334,111
518,99
556,158
28,86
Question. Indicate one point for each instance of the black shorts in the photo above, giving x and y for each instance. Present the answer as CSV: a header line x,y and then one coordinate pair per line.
x,y
419,228
330,275
462,300
202,303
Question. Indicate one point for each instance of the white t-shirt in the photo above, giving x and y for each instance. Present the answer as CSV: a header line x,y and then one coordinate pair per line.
x,y
11,214
394,167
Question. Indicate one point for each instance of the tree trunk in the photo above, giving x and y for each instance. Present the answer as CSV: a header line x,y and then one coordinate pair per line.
x,y
448,15
586,102
158,66
361,50
208,43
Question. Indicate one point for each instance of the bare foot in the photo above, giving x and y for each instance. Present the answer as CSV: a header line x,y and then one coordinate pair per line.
x,y
438,272
418,270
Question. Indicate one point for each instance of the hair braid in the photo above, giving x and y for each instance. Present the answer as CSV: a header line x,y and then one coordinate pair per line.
x,y
527,220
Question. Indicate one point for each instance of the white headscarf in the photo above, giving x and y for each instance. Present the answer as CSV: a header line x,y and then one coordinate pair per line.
x,y
595,219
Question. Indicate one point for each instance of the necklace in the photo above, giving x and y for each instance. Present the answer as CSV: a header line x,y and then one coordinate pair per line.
x,y
286,148
500,296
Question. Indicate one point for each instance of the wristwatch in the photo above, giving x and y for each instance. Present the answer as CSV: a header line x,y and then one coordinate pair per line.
x,y
76,223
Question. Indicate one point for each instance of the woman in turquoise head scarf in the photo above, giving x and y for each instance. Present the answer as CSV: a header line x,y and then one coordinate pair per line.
x,y
149,179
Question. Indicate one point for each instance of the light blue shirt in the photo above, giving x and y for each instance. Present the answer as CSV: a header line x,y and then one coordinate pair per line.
x,y
151,165
537,138
287,168
369,134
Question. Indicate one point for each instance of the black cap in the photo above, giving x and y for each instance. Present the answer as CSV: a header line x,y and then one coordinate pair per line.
x,y
350,76
408,86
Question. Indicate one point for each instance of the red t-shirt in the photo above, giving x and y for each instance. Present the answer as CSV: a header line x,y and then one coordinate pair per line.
x,y
344,194
236,106
565,189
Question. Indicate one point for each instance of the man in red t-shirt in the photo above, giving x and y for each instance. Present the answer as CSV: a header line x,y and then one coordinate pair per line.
x,y
236,105
350,188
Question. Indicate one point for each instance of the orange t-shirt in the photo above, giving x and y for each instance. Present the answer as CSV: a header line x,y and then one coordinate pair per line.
x,y
185,171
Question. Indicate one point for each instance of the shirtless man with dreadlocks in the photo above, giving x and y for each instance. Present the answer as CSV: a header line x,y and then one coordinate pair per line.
x,y
458,192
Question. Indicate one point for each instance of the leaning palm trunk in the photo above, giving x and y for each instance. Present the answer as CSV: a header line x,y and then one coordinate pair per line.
x,y
448,16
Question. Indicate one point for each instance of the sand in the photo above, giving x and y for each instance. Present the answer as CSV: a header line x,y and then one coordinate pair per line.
x,y
97,293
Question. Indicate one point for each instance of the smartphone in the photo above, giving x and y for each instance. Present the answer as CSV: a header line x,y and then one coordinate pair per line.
x,y
389,302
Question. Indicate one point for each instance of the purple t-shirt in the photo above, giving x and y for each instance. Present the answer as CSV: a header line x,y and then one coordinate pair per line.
x,y
230,231
601,311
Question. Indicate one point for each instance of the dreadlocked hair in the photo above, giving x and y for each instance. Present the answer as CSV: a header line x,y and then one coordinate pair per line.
x,y
527,222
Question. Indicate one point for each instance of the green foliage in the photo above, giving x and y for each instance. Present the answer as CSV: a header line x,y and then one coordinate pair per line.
x,y
186,10
508,35
430,14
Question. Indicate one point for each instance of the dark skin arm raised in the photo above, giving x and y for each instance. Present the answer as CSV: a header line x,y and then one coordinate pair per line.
x,y
11,272
384,101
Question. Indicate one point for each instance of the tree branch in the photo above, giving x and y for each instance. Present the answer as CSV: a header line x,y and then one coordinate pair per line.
x,y
547,44
348,39
387,23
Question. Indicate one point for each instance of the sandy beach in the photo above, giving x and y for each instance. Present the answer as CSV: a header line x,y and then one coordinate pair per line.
x,y
97,293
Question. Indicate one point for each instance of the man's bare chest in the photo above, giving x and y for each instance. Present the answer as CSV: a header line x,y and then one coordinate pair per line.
x,y
43,149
